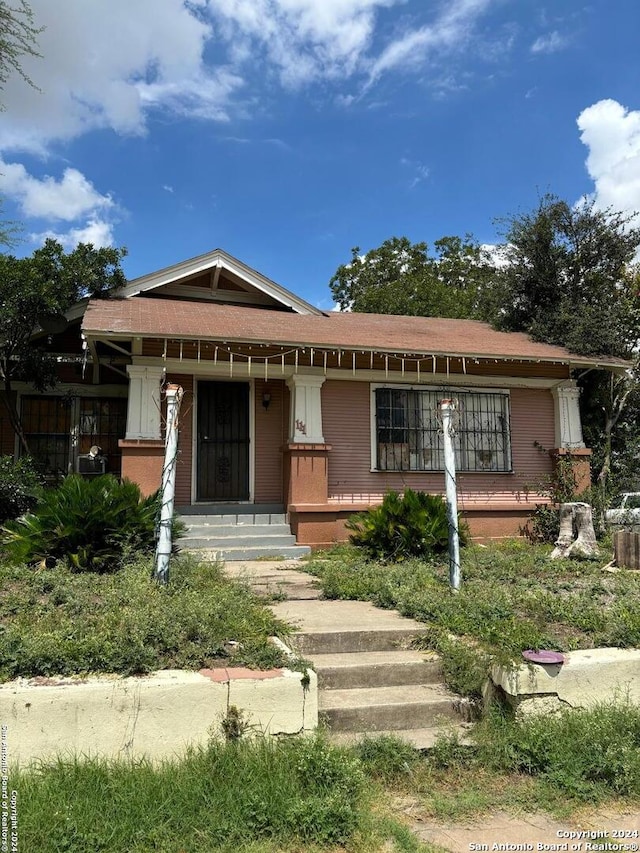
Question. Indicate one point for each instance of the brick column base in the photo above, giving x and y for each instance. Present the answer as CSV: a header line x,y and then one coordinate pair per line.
x,y
306,469
142,461
580,458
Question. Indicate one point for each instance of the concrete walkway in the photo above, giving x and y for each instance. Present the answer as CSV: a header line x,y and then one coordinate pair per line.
x,y
298,601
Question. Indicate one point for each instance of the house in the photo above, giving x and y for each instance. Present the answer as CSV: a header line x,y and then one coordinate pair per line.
x,y
321,412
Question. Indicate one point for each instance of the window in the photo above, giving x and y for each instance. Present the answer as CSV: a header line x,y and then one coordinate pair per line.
x,y
58,428
409,430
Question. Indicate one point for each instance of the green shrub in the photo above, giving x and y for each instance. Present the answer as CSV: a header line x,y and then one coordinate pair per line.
x,y
586,753
414,524
20,486
93,524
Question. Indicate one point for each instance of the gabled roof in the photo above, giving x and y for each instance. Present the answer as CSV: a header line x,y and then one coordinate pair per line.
x,y
214,262
189,320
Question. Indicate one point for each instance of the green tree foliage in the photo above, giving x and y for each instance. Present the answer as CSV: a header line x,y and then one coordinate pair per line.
x,y
567,278
400,277
571,280
45,284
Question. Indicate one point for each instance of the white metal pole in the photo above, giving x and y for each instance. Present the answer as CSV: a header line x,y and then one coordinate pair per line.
x,y
167,492
447,407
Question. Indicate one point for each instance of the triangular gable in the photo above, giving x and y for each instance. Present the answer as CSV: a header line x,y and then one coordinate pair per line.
x,y
217,277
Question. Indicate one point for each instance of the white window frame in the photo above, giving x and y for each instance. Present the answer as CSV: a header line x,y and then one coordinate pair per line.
x,y
444,393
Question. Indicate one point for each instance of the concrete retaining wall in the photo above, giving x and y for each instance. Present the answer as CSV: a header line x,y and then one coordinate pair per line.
x,y
157,716
586,678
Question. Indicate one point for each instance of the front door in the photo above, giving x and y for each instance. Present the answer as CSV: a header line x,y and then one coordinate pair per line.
x,y
223,441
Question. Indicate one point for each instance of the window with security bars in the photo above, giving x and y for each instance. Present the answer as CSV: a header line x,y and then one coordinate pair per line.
x,y
58,428
409,430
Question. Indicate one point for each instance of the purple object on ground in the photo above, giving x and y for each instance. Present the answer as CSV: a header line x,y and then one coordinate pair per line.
x,y
542,656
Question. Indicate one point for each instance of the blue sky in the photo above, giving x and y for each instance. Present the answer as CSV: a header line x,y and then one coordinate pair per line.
x,y
288,131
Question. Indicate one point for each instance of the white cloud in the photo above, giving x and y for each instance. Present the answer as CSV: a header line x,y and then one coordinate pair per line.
x,y
69,198
104,63
449,32
98,232
549,43
611,132
109,63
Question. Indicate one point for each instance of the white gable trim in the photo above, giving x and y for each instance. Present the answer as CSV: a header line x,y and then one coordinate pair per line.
x,y
218,260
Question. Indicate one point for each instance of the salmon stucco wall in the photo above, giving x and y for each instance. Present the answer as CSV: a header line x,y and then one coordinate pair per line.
x,y
347,428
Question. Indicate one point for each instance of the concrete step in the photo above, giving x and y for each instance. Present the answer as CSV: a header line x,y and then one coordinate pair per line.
x,y
242,540
341,642
386,708
227,508
376,669
233,519
424,738
224,530
206,552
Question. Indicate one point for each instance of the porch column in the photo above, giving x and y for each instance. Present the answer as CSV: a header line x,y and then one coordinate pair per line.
x,y
569,441
143,446
143,409
566,399
306,453
305,419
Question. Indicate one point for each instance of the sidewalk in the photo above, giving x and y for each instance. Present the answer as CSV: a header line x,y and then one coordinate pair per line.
x,y
603,829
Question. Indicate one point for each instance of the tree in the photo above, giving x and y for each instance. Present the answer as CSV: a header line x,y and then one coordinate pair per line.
x,y
570,280
566,278
400,277
18,38
45,285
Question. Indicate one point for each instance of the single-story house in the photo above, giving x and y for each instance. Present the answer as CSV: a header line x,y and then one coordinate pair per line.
x,y
321,412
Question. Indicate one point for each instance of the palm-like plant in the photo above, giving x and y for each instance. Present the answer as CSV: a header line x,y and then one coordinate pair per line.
x,y
93,524
413,524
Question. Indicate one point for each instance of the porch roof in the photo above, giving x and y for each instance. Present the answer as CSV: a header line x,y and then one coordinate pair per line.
x,y
140,316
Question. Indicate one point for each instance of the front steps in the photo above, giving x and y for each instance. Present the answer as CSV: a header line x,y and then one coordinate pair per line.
x,y
239,532
369,680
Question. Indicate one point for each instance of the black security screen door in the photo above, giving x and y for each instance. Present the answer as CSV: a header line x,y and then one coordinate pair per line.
x,y
223,441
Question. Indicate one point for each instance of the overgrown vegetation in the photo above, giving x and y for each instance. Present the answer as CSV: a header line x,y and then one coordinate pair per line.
x,y
92,524
263,795
20,486
224,798
512,598
413,524
56,621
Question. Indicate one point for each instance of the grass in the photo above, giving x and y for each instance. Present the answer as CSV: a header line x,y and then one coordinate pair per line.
x,y
512,598
294,795
303,794
54,621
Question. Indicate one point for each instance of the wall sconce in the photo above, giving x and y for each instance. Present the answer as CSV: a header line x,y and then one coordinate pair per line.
x,y
266,400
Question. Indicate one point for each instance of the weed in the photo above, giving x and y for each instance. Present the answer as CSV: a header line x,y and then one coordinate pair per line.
x,y
60,622
291,793
386,757
234,724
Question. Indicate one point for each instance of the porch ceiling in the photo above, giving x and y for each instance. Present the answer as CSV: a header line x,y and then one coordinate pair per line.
x,y
189,320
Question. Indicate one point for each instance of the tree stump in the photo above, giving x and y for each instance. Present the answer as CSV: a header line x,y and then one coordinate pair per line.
x,y
576,519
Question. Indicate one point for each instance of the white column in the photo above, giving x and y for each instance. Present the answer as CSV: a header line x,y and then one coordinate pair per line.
x,y
566,400
143,408
305,419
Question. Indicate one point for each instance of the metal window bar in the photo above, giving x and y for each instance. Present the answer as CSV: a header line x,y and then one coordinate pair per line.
x,y
409,432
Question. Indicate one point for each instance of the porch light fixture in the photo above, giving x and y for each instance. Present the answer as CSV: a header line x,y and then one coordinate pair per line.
x,y
266,400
